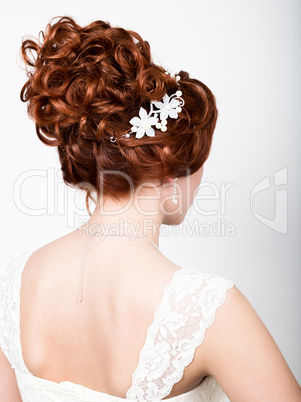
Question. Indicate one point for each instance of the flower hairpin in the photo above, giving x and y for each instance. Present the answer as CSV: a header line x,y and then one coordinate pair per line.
x,y
159,112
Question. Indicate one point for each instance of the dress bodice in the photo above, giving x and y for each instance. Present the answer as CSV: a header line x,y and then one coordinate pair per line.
x,y
186,310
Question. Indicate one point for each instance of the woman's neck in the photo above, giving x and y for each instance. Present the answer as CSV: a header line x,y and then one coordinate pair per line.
x,y
128,219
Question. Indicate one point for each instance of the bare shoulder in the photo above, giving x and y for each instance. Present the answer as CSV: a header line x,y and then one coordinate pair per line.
x,y
56,245
49,252
242,355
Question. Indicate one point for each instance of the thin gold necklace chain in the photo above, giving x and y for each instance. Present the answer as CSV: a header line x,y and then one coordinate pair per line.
x,y
95,234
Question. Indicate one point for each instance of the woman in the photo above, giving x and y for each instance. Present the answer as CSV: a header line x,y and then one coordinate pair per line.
x,y
101,313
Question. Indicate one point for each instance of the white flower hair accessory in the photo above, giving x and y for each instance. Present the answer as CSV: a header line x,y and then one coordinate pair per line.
x,y
170,106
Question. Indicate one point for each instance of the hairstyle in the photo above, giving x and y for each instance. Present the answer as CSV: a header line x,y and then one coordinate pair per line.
x,y
84,84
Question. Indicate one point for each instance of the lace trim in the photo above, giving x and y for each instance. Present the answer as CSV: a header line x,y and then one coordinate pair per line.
x,y
10,281
187,309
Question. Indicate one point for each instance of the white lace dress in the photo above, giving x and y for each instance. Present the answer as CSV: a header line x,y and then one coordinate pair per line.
x,y
186,310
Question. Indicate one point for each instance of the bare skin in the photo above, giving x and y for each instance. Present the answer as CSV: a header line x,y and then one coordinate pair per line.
x,y
96,343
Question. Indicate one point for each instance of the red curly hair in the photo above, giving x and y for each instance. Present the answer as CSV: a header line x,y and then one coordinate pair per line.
x,y
84,86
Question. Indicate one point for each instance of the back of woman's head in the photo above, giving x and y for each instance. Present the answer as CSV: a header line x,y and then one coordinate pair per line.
x,y
86,83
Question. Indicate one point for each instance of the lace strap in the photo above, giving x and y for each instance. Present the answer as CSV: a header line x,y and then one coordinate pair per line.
x,y
10,282
187,309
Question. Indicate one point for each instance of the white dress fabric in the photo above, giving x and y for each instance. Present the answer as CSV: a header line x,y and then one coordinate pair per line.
x,y
186,310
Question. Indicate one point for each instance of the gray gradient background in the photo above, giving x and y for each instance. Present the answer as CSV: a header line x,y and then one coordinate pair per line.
x,y
248,53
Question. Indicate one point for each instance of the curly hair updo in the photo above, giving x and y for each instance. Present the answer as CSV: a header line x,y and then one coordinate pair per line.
x,y
84,86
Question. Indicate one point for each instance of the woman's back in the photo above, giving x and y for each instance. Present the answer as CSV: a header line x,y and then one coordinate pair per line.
x,y
97,343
